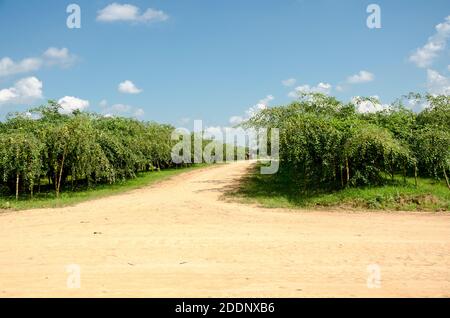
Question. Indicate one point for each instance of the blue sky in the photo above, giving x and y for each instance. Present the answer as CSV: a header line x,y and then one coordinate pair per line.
x,y
214,59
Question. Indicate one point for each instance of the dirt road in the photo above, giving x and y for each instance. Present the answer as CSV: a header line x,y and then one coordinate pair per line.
x,y
177,238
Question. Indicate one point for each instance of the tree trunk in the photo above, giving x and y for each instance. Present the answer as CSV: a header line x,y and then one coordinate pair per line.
x,y
72,179
415,175
446,178
404,175
347,168
58,185
17,186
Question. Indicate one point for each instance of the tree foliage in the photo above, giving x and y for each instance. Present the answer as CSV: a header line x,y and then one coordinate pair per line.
x,y
326,142
78,149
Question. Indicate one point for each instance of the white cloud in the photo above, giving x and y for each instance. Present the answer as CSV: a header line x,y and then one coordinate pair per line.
x,y
252,111
266,100
103,103
128,87
289,82
437,84
361,77
7,95
25,90
52,56
152,15
138,112
293,94
118,12
324,88
262,104
424,56
417,105
236,120
368,106
184,120
69,104
120,109
129,13
9,67
61,57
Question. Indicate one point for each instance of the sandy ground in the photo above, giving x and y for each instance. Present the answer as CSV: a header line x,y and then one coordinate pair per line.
x,y
179,239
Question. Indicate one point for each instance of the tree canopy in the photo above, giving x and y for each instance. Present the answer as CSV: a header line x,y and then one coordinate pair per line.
x,y
328,142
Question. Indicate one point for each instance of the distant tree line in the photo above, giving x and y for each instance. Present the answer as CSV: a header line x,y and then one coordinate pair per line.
x,y
324,142
67,151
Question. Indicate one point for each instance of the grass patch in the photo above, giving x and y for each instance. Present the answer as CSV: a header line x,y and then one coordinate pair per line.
x,y
67,198
280,191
